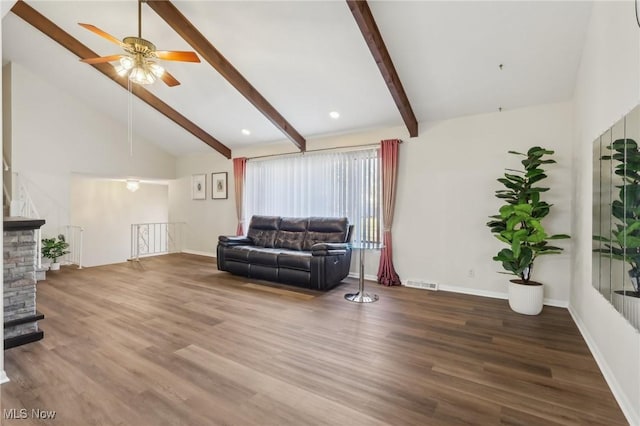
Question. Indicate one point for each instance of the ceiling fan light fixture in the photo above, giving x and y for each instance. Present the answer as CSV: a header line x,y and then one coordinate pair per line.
x,y
156,69
141,74
127,62
133,185
122,71
137,63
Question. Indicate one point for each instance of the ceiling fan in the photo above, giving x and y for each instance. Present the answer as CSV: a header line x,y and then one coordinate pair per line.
x,y
139,62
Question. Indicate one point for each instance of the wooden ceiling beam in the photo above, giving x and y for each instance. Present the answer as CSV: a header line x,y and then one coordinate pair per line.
x,y
181,25
47,27
369,29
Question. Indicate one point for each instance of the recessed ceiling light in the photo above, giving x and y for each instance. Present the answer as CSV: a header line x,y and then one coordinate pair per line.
x,y
246,132
334,114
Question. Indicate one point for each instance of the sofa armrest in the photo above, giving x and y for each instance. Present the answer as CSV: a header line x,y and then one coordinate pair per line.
x,y
229,241
330,249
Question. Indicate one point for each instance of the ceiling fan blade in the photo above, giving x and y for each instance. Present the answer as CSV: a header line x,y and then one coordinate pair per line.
x,y
168,79
169,55
101,59
103,34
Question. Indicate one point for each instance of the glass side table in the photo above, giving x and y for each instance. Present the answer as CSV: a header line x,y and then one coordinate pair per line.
x,y
361,296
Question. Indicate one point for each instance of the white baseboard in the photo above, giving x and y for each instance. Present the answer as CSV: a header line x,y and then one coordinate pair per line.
x,y
473,291
494,294
626,406
3,377
557,303
367,277
199,253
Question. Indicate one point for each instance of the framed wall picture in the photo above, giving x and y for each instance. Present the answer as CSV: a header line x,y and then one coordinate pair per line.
x,y
219,186
199,187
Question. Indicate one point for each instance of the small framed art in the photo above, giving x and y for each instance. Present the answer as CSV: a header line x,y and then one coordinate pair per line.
x,y
219,186
199,187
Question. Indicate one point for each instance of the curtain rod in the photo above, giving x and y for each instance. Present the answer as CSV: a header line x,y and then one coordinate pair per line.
x,y
314,150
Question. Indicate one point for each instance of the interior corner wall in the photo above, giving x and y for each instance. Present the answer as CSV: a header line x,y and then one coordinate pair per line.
x,y
55,135
3,375
607,87
106,209
446,183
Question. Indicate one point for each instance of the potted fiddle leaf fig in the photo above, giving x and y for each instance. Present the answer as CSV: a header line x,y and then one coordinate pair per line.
x,y
519,225
54,248
624,243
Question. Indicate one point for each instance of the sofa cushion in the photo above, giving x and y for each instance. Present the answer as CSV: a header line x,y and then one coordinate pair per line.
x,y
238,253
325,230
264,256
300,260
263,230
292,232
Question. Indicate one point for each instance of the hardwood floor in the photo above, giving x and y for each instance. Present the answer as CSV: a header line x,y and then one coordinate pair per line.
x,y
172,341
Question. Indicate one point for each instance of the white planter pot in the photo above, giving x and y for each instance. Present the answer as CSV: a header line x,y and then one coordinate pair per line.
x,y
54,266
628,306
526,299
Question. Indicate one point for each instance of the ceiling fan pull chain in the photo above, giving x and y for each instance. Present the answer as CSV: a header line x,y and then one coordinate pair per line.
x,y
130,116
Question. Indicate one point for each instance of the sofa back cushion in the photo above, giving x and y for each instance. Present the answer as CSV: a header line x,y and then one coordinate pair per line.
x,y
263,230
292,232
325,230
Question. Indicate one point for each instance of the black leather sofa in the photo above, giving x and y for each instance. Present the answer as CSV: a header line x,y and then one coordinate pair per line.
x,y
309,252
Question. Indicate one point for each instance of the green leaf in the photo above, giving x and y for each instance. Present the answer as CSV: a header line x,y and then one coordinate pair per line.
x,y
523,208
534,172
514,178
558,237
537,178
509,184
631,242
516,171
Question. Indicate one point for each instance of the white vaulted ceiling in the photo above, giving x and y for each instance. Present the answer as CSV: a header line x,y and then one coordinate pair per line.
x,y
308,58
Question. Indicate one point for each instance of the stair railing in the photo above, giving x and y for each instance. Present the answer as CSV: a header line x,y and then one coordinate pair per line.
x,y
74,236
22,204
151,239
7,196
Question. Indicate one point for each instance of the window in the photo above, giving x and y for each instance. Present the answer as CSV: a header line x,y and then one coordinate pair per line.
x,y
319,184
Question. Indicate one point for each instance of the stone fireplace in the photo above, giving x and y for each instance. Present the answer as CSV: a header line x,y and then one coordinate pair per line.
x,y
20,315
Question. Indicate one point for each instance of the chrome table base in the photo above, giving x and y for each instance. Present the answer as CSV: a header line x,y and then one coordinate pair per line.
x,y
361,297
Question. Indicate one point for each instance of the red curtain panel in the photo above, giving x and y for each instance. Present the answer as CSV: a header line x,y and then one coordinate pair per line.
x,y
239,171
389,149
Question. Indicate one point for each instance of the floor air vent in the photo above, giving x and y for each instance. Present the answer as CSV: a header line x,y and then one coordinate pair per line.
x,y
422,284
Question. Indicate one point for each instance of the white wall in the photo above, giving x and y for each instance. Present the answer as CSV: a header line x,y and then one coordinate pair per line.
x,y
55,135
106,210
204,219
445,194
608,86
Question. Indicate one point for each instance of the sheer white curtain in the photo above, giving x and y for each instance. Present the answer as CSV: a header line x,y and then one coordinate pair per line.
x,y
318,184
